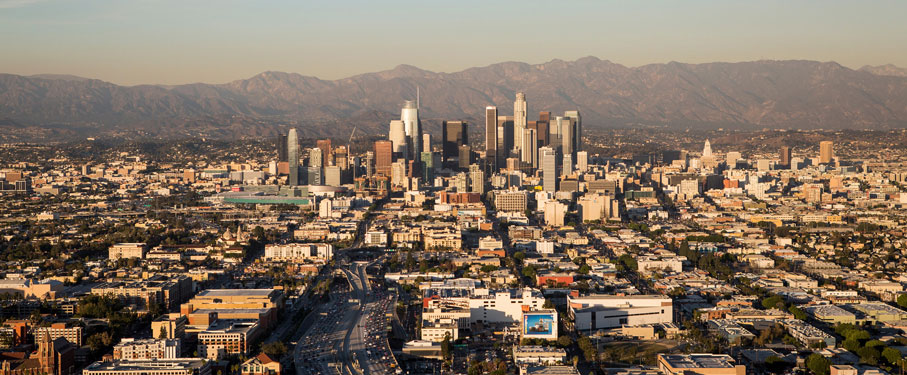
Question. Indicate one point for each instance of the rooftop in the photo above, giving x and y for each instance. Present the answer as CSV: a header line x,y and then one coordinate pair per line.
x,y
144,364
235,292
698,360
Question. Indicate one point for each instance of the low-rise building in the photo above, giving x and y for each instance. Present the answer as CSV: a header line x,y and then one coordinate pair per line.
x,y
609,311
299,251
127,250
177,366
130,348
225,337
539,355
699,364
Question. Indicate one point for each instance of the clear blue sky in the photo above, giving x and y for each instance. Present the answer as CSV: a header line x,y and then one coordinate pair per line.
x,y
171,42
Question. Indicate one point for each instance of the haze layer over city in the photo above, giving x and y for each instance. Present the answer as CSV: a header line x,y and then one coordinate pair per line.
x,y
403,187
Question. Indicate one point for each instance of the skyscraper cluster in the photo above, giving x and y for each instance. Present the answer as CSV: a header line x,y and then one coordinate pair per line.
x,y
323,164
550,144
516,138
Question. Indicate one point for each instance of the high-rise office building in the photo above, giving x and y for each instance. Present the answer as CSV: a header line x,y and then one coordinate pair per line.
x,y
555,135
398,172
582,161
548,162
567,169
282,147
476,179
316,157
785,156
293,156
313,176
568,138
519,119
505,139
332,175
577,129
426,142
542,128
826,152
341,158
464,157
384,157
529,150
453,135
491,136
370,163
428,165
326,151
397,136
413,128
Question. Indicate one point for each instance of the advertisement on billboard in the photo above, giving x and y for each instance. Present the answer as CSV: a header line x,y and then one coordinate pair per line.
x,y
541,325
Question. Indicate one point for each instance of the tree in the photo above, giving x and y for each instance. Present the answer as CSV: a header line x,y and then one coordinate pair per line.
x,y
274,349
868,355
891,355
772,302
162,334
529,271
902,300
818,364
798,313
851,344
564,341
446,347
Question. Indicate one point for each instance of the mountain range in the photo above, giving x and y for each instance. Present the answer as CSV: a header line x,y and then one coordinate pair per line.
x,y
758,94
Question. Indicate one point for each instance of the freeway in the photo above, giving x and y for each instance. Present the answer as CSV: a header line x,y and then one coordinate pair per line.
x,y
349,334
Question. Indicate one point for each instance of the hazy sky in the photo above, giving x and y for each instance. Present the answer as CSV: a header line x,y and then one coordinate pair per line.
x,y
170,42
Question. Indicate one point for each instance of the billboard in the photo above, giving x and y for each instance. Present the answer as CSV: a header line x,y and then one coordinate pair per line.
x,y
542,325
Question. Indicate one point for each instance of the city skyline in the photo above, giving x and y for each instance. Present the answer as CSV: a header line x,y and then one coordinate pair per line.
x,y
122,42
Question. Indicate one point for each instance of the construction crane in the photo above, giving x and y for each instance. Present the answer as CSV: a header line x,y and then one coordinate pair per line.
x,y
348,149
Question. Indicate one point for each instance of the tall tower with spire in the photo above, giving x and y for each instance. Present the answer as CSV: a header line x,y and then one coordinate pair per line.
x,y
707,150
413,129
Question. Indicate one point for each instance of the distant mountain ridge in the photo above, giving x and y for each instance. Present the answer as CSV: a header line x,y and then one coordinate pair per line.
x,y
771,94
885,70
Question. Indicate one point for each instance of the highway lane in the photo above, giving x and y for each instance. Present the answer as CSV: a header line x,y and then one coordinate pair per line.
x,y
347,336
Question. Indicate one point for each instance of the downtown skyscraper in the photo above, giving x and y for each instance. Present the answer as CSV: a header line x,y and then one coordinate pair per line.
x,y
293,156
413,128
519,122
548,163
453,135
491,137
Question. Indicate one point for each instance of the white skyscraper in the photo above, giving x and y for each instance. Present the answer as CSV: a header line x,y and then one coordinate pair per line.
x,y
707,149
413,128
426,142
567,169
398,137
315,157
582,161
519,119
548,161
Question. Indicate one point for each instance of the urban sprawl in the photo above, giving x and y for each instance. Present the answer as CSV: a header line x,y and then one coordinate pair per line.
x,y
525,251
